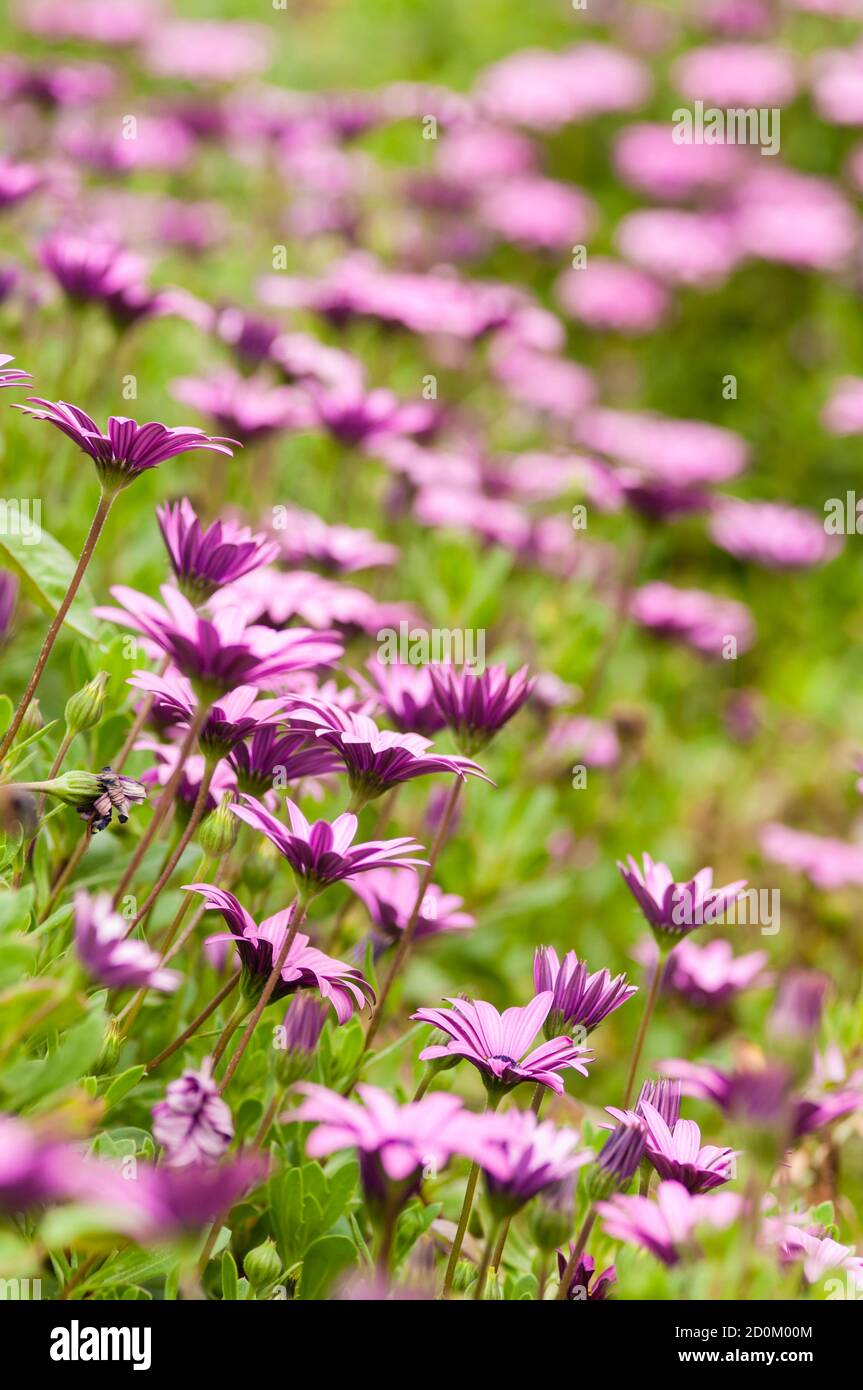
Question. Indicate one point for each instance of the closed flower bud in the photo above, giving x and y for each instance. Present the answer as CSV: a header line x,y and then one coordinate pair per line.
x,y
31,723
218,832
74,788
262,1265
107,1059
295,1041
84,709
551,1216
618,1160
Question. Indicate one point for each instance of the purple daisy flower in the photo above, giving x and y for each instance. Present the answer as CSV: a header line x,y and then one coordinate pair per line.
x,y
305,967
389,896
710,976
674,909
270,759
217,654
796,1015
167,1202
396,1143
771,534
307,539
529,1157
581,1001
128,449
407,696
667,1225
250,409
585,1284
11,376
376,759
764,1098
232,718
166,756
676,1152
496,1043
203,561
193,1124
109,955
324,853
477,705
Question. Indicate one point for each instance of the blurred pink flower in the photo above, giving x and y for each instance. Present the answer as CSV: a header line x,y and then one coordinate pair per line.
x,y
684,248
648,160
546,91
826,862
698,619
609,295
771,534
737,74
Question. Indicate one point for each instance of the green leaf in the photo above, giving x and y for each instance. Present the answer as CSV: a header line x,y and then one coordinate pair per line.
x,y
324,1260
123,1084
45,571
29,1081
15,909
230,1291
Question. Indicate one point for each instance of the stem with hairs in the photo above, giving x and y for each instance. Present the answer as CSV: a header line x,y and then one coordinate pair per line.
x,y
96,525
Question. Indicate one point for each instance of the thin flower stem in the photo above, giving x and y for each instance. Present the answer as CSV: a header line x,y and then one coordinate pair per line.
x,y
177,853
426,1080
193,1027
536,1103
479,1287
96,525
260,1135
652,997
266,994
583,1237
138,723
204,869
407,936
269,1115
472,1178
229,1030
67,871
164,804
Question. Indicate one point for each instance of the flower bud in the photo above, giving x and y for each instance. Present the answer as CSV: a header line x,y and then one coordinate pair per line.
x,y
84,710
262,1265
295,1041
551,1216
111,1042
618,1160
31,723
218,831
74,788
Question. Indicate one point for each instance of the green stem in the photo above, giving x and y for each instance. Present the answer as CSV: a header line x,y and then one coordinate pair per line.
x,y
479,1287
193,1027
652,997
266,994
96,525
407,936
472,1178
